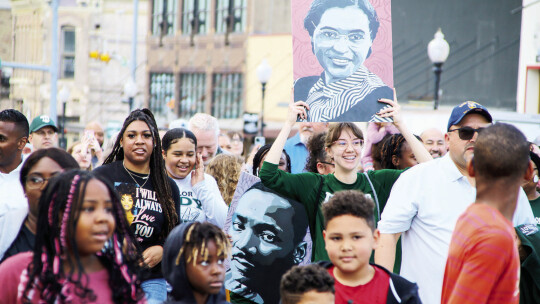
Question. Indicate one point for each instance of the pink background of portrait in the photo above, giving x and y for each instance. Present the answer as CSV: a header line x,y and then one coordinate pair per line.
x,y
379,62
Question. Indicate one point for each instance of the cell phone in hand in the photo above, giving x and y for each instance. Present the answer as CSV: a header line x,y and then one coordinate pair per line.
x,y
260,140
89,134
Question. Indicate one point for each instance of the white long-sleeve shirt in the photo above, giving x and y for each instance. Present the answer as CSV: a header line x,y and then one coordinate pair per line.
x,y
13,207
202,202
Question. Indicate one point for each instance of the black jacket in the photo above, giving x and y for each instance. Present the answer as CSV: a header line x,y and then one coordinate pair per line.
x,y
400,290
529,284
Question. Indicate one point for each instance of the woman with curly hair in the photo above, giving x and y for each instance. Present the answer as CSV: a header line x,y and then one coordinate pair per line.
x,y
226,169
318,160
136,168
80,254
199,194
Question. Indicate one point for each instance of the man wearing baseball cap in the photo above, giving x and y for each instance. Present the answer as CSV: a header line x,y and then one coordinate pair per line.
x,y
43,133
427,200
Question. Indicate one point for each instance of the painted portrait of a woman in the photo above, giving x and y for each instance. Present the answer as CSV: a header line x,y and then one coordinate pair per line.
x,y
342,33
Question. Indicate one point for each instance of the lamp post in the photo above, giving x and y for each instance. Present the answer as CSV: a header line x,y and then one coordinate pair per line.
x,y
438,50
264,71
63,96
130,90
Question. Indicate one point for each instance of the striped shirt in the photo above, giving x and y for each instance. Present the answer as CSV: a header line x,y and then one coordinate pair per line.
x,y
329,101
483,261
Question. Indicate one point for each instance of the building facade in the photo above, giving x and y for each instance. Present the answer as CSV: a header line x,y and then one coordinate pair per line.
x,y
94,85
203,54
5,52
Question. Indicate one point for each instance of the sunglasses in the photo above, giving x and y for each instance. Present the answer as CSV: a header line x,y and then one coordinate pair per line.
x,y
466,133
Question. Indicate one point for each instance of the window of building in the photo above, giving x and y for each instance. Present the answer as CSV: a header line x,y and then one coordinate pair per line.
x,y
161,93
192,94
164,10
67,63
232,13
195,15
227,95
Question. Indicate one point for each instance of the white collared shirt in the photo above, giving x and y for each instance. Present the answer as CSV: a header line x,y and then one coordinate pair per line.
x,y
425,204
13,207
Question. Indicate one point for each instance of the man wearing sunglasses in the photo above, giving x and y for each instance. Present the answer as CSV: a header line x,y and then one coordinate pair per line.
x,y
427,200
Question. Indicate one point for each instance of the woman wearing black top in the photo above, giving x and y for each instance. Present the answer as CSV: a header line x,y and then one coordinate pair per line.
x,y
148,195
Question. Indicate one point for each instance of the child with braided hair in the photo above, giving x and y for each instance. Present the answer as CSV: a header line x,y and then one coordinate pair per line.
x,y
79,254
193,263
396,153
375,133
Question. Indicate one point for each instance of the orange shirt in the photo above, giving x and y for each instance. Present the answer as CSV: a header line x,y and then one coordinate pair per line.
x,y
483,261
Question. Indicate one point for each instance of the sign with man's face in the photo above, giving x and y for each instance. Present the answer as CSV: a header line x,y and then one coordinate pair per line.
x,y
342,53
269,235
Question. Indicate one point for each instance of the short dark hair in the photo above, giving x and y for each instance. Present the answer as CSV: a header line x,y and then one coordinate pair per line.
x,y
261,153
349,202
319,7
61,157
16,117
501,151
301,279
535,159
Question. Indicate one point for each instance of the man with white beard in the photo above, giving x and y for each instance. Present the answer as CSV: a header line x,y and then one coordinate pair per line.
x,y
296,145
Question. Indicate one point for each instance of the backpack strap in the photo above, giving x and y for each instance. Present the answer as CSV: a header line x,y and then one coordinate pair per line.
x,y
320,186
375,198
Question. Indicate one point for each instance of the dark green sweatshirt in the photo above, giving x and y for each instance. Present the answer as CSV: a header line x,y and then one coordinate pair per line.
x,y
304,187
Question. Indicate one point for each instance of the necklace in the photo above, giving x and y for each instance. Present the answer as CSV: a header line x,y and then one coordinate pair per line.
x,y
146,178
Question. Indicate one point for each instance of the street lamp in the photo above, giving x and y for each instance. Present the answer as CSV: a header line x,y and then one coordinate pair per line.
x,y
63,96
438,50
130,90
264,71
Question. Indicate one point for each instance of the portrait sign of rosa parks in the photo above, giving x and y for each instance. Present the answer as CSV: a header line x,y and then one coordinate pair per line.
x,y
342,57
269,235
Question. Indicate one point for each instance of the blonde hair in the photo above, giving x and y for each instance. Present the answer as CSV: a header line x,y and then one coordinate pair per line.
x,y
70,151
226,169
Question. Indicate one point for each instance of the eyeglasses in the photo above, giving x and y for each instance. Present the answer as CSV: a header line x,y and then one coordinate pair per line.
x,y
343,144
327,163
332,36
466,133
36,181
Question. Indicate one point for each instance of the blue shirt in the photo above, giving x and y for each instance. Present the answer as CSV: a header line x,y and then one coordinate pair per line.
x,y
298,153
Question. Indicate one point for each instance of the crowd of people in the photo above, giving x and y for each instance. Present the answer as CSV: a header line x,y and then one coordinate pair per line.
x,y
393,217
